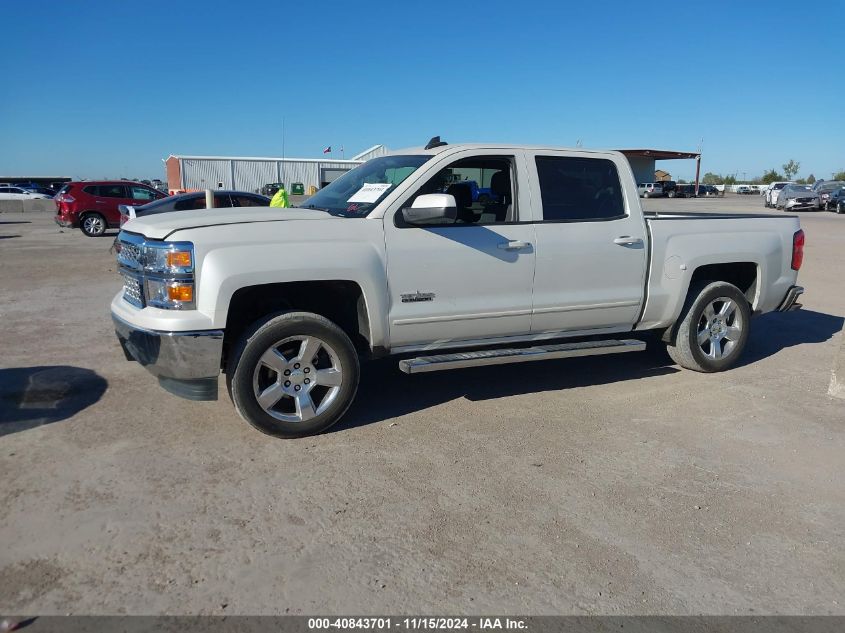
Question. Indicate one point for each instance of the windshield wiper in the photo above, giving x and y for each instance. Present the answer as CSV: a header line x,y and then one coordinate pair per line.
x,y
311,206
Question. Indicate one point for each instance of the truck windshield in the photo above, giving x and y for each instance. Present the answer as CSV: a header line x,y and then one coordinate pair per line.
x,y
359,190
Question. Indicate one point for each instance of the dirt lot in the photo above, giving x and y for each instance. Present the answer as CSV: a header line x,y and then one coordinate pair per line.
x,y
599,485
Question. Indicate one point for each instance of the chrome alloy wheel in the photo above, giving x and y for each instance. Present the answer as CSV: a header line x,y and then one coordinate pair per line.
x,y
719,328
297,378
93,224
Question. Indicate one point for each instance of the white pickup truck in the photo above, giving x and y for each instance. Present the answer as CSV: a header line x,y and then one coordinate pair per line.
x,y
401,257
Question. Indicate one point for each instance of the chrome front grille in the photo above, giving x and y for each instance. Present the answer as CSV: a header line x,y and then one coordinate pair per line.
x,y
130,255
130,259
803,199
133,289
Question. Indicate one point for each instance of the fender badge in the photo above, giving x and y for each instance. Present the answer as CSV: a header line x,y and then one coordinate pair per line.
x,y
415,297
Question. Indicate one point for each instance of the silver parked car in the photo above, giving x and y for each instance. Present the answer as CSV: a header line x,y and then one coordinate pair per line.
x,y
795,197
650,189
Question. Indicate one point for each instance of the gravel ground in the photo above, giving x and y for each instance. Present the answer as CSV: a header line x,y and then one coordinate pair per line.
x,y
612,485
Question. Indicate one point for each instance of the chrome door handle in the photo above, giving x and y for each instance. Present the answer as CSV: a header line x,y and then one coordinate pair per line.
x,y
100,201
514,245
627,240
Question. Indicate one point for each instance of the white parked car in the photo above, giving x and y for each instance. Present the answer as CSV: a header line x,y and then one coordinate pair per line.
x,y
17,193
396,258
773,191
649,189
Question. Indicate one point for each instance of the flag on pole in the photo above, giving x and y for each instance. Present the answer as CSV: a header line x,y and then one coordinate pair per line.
x,y
328,150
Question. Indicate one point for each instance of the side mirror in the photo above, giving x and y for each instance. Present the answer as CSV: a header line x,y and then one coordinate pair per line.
x,y
431,207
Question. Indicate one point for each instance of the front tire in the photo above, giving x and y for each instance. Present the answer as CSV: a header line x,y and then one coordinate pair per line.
x,y
293,375
712,329
93,224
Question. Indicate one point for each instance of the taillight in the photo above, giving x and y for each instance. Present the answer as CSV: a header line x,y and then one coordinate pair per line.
x,y
797,249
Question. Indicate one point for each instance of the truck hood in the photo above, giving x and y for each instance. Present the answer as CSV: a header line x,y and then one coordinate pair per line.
x,y
159,226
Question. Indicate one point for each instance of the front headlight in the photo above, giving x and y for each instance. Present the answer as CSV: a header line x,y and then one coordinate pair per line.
x,y
169,272
157,274
169,257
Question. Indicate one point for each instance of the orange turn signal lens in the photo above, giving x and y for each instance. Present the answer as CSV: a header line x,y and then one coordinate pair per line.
x,y
179,259
180,292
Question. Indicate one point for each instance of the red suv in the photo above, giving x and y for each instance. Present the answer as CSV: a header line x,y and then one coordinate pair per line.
x,y
92,205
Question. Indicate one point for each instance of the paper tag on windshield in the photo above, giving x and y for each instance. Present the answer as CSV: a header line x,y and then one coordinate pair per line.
x,y
370,192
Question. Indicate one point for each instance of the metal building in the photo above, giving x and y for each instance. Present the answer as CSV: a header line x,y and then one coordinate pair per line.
x,y
192,173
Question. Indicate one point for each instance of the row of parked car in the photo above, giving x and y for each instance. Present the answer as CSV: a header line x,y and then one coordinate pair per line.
x,y
791,196
672,189
24,191
95,206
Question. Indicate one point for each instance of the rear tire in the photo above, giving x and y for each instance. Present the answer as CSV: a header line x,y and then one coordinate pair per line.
x,y
712,329
292,375
93,224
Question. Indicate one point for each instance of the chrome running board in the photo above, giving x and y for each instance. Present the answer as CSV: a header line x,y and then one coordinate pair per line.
x,y
518,355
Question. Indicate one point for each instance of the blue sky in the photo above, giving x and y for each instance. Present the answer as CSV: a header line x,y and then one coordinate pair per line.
x,y
105,89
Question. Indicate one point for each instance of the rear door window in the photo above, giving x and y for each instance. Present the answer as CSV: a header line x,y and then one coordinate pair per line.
x,y
577,189
194,202
221,200
142,194
111,191
242,200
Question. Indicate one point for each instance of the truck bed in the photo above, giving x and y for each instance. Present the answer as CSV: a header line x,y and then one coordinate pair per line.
x,y
680,243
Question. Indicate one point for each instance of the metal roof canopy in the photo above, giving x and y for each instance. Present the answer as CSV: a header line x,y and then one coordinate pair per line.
x,y
659,154
267,159
665,154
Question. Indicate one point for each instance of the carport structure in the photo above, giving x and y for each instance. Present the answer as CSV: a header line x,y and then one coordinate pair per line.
x,y
643,162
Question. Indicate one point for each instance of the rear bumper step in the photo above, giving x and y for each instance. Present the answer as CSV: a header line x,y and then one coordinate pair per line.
x,y
518,355
790,301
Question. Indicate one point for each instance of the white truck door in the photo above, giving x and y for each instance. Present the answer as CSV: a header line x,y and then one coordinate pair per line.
x,y
591,242
469,278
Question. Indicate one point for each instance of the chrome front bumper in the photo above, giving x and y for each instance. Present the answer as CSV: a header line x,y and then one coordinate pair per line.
x,y
790,301
187,364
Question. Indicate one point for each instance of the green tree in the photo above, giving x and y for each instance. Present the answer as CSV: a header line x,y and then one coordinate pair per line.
x,y
840,175
791,168
730,179
801,181
711,179
811,179
771,176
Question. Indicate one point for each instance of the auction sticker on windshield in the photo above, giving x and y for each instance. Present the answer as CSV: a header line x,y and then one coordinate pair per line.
x,y
370,192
